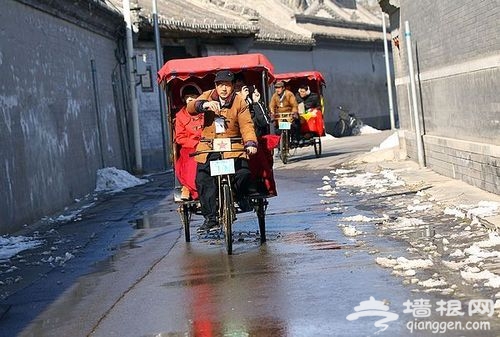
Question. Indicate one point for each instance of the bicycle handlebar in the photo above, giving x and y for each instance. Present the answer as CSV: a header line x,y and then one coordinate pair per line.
x,y
207,140
214,151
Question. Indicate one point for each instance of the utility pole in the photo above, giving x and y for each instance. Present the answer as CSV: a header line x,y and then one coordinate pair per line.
x,y
133,96
388,73
161,94
418,134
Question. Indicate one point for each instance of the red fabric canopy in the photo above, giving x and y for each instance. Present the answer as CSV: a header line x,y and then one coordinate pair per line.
x,y
202,66
310,75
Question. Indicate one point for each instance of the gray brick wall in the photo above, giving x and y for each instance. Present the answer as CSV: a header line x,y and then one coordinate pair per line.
x,y
49,142
450,31
455,51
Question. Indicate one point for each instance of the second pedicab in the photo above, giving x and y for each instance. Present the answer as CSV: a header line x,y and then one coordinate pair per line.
x,y
312,126
200,72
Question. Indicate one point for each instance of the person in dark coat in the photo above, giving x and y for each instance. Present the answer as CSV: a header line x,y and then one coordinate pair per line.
x,y
310,99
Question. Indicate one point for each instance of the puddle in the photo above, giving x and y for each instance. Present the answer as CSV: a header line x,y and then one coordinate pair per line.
x,y
150,220
202,325
311,239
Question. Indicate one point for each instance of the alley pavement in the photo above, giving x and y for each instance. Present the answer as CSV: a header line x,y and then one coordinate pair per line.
x,y
444,190
87,233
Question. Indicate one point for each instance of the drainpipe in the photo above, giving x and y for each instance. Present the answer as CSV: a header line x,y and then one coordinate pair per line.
x,y
161,94
133,97
388,73
418,135
97,108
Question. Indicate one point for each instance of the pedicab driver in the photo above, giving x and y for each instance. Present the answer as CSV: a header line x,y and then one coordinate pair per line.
x,y
283,100
226,115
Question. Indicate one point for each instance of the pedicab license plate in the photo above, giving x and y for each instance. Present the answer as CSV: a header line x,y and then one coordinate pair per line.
x,y
284,125
222,166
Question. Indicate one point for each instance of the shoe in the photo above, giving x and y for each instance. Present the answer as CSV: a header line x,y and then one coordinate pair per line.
x,y
185,193
208,225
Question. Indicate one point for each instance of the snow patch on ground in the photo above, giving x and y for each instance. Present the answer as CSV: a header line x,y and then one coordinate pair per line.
x,y
359,218
483,209
13,245
389,142
432,283
367,129
350,230
455,212
404,263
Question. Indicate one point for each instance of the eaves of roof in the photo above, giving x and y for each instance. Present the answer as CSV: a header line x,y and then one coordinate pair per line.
x,y
342,33
204,28
271,33
329,22
191,17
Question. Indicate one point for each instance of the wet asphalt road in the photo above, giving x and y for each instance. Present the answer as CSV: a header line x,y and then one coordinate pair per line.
x,y
134,275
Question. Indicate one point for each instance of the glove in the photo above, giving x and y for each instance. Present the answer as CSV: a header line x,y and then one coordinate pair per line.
x,y
251,147
251,150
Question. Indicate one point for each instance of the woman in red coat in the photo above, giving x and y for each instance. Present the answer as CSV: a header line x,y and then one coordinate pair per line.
x,y
188,130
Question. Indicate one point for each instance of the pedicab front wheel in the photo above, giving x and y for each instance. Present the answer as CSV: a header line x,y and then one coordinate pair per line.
x,y
227,218
317,147
284,146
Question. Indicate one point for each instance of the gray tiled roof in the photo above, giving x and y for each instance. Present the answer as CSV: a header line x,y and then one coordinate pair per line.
x,y
270,21
192,16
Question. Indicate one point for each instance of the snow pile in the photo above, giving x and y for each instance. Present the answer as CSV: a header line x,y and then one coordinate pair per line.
x,y
472,276
493,240
342,171
370,183
405,223
111,179
350,230
455,212
325,187
58,260
483,209
10,246
366,129
403,263
389,142
457,253
359,218
432,283
476,251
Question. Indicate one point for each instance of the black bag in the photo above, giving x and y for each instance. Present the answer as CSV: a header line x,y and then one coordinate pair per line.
x,y
261,118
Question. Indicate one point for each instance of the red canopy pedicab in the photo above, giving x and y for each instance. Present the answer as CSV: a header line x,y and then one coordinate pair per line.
x,y
312,126
256,70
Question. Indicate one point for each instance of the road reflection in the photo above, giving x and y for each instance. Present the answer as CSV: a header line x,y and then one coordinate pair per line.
x,y
228,296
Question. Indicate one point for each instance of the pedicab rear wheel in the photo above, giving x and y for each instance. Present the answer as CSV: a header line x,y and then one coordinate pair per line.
x,y
260,209
317,147
227,218
184,212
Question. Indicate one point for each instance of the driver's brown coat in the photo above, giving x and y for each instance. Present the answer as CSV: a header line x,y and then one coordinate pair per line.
x,y
238,124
